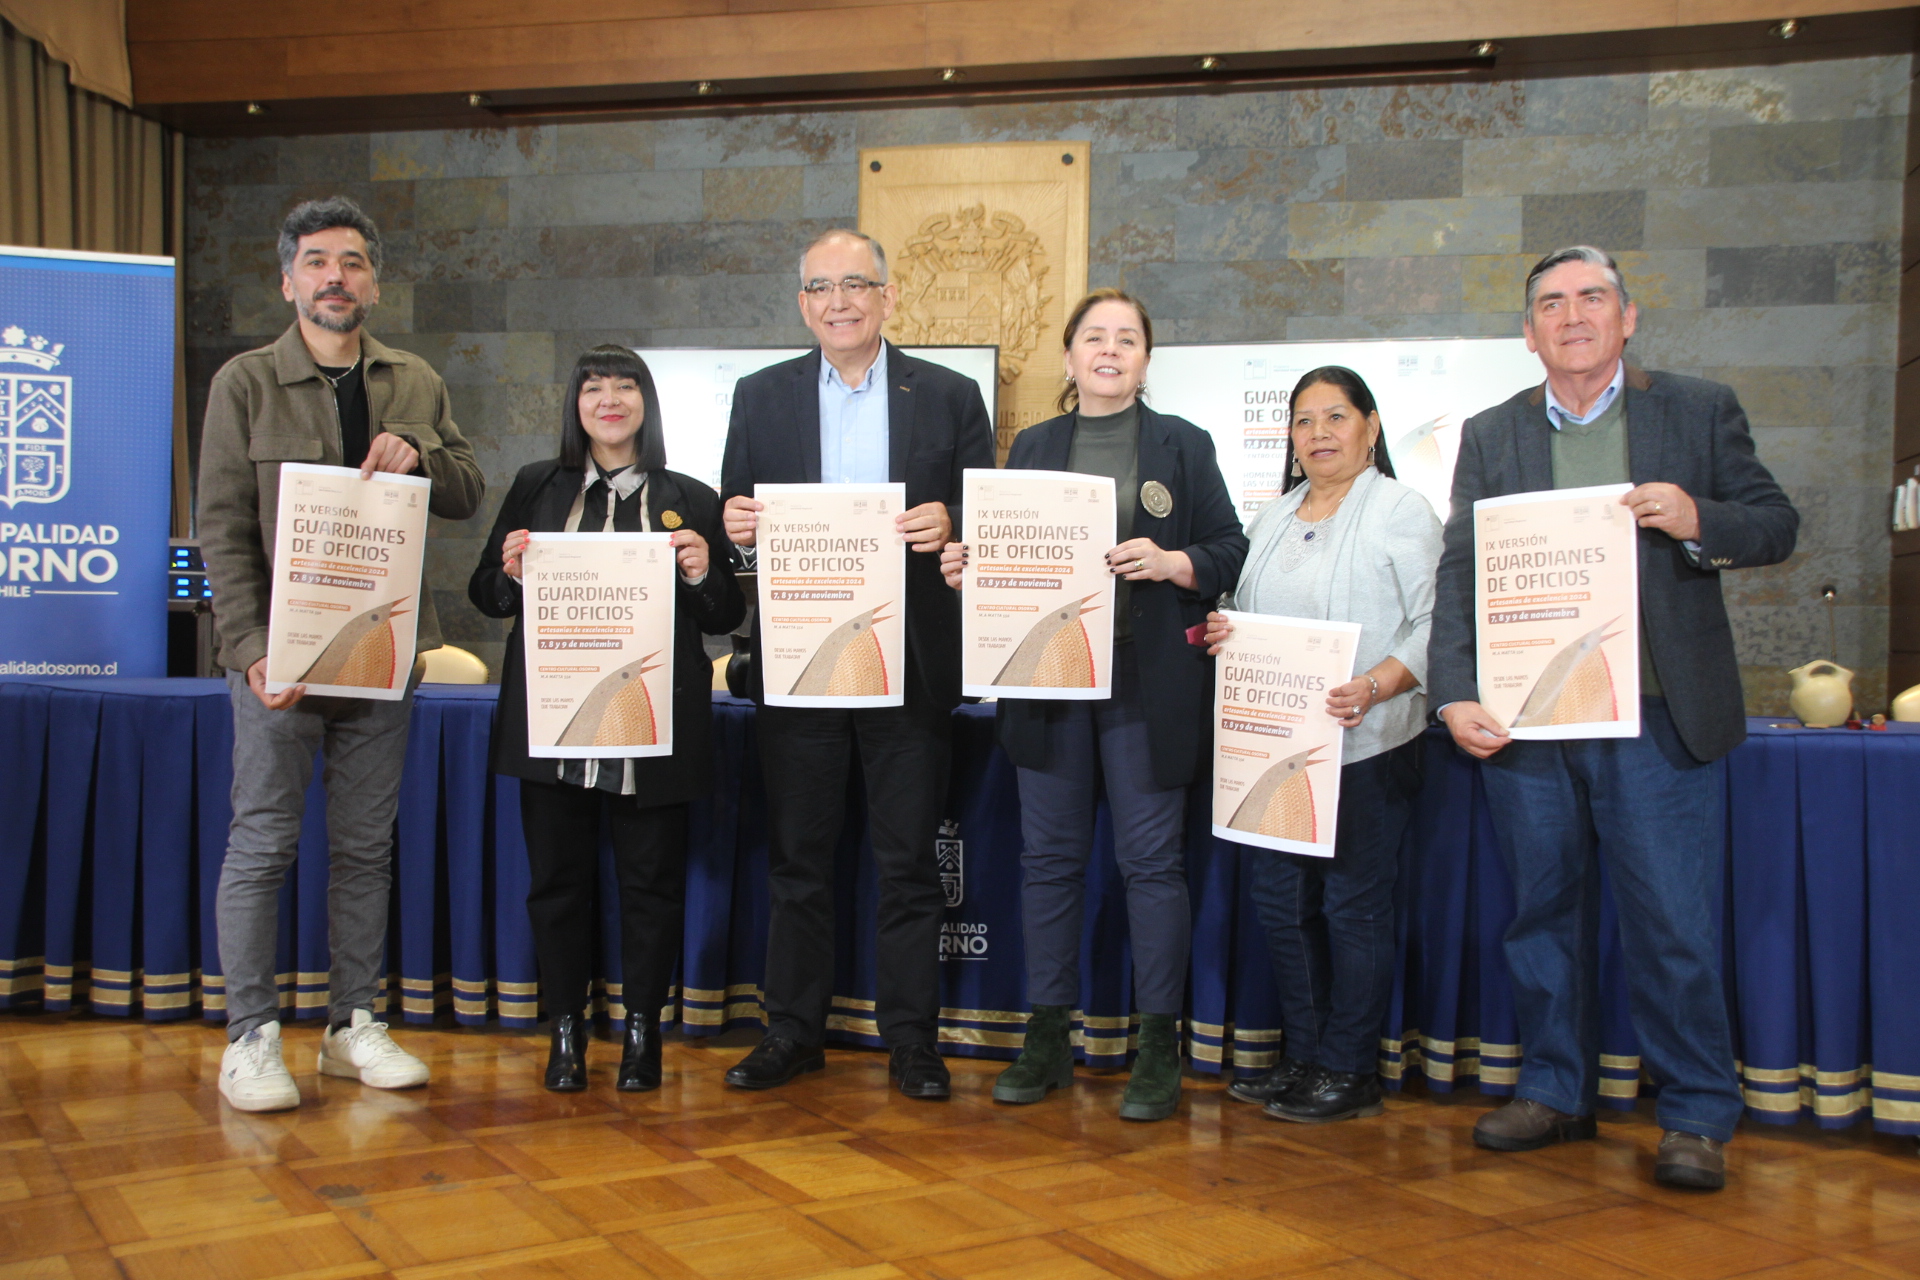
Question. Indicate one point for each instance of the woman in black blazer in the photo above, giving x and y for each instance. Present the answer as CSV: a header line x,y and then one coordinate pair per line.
x,y
1180,547
610,476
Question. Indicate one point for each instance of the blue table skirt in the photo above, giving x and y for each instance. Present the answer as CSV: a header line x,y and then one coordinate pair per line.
x,y
116,791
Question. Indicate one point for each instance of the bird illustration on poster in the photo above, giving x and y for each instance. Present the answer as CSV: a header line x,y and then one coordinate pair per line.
x,y
362,653
618,711
1280,804
1056,653
849,662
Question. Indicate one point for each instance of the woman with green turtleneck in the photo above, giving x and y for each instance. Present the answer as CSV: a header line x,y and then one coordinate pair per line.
x,y
1179,547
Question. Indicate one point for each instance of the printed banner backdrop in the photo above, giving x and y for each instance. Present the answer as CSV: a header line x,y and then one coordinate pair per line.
x,y
86,460
695,385
1426,388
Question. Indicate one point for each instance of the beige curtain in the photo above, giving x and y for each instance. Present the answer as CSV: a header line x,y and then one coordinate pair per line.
x,y
80,172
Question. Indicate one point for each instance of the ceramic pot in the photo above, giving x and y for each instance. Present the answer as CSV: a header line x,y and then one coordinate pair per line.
x,y
1907,705
1822,694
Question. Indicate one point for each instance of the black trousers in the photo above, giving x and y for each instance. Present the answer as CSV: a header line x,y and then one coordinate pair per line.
x,y
562,827
805,756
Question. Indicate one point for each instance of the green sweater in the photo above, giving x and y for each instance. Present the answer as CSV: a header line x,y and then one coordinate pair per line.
x,y
1594,453
1110,446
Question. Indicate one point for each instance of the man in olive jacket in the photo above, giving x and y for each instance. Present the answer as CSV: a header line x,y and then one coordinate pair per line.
x,y
326,393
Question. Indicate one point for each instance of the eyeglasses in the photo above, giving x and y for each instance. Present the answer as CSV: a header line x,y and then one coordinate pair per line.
x,y
855,287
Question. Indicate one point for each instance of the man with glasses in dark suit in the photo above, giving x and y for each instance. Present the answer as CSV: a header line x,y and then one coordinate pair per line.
x,y
858,411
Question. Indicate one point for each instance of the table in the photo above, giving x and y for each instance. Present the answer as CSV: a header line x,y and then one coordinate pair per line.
x,y
118,794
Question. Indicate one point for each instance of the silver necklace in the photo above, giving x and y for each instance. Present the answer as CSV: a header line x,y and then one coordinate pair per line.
x,y
335,382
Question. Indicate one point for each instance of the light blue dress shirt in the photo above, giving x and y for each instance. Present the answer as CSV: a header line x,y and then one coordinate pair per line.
x,y
1558,414
853,425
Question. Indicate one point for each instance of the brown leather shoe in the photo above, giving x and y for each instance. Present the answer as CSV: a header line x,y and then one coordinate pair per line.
x,y
1526,1125
1691,1160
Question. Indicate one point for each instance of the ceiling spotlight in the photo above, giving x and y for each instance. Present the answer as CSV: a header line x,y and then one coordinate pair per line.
x,y
479,100
256,109
1785,29
1208,63
952,74
705,88
1486,49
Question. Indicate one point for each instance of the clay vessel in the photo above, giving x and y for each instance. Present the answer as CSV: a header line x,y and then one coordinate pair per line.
x,y
1907,705
1822,694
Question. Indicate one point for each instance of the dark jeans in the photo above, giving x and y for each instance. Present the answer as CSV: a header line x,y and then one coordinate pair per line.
x,y
562,827
805,756
1329,921
1094,742
1654,816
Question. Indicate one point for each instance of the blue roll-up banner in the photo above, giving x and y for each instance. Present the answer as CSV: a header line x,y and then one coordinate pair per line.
x,y
86,462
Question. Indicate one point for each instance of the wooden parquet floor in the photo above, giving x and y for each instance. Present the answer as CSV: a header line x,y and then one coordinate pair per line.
x,y
117,1157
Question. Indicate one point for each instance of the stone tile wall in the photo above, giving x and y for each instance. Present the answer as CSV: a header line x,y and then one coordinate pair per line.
x,y
1756,211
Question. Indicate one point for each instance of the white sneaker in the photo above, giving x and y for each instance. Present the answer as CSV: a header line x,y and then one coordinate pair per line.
x,y
252,1075
364,1051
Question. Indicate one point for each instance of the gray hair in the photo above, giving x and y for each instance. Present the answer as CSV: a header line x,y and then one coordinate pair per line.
x,y
1575,253
311,217
845,233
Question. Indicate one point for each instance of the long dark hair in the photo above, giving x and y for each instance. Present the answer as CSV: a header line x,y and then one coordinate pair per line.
x,y
1069,398
1359,395
610,361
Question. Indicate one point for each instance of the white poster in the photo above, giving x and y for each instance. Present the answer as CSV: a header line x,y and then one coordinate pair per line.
x,y
1276,751
1426,389
1036,599
695,386
832,585
597,623
1556,596
346,581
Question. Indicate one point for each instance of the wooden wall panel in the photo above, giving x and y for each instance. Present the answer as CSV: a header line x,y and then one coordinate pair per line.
x,y
188,51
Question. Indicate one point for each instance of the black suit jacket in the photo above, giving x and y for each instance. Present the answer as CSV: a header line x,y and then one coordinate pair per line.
x,y
1682,431
937,427
541,496
1176,677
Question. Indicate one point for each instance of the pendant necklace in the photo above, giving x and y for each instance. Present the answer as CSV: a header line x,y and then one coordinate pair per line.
x,y
1294,551
348,374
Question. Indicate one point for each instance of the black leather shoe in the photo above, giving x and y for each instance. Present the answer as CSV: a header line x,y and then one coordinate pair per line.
x,y
567,1059
1326,1096
640,1057
920,1071
1276,1082
776,1061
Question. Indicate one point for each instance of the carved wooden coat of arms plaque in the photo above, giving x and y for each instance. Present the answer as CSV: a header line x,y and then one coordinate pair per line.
x,y
988,246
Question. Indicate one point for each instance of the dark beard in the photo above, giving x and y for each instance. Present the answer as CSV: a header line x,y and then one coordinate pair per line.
x,y
310,311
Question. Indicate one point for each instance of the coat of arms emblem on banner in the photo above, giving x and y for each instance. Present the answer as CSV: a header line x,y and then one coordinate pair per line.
x,y
948,854
36,420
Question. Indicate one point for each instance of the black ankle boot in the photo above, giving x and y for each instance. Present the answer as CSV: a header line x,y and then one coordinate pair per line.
x,y
567,1059
640,1059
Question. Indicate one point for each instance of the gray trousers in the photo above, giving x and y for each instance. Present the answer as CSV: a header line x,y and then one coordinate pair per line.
x,y
365,744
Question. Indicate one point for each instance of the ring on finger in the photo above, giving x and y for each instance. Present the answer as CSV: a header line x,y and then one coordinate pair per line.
x,y
1139,565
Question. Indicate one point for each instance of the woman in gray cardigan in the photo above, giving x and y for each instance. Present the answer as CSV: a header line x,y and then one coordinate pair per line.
x,y
1344,541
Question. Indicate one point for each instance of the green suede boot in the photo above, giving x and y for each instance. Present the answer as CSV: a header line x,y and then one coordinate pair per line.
x,y
1045,1061
1153,1089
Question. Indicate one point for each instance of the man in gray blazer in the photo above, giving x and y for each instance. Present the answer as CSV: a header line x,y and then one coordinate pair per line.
x,y
1649,805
